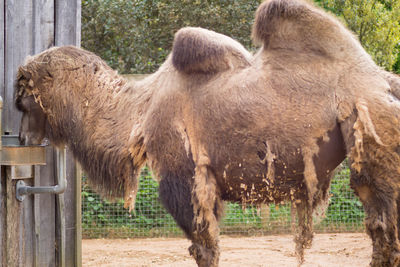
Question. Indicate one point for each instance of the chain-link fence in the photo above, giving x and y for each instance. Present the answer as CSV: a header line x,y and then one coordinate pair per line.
x,y
110,220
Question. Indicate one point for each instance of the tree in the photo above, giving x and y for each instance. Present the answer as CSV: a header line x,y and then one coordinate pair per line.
x,y
135,36
376,23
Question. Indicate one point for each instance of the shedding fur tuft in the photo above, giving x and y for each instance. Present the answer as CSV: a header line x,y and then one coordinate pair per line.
x,y
310,175
366,122
304,230
270,157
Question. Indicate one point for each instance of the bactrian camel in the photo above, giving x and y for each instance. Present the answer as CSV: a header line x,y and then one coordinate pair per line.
x,y
216,123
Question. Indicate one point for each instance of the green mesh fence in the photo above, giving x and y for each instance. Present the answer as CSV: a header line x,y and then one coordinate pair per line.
x,y
110,220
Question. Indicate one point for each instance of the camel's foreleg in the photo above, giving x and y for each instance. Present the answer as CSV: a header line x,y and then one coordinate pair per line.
x,y
207,207
175,194
304,231
176,191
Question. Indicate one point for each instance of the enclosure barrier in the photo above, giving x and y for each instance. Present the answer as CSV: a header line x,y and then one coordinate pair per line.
x,y
104,219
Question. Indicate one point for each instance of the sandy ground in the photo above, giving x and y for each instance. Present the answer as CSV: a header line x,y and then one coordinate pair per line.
x,y
328,250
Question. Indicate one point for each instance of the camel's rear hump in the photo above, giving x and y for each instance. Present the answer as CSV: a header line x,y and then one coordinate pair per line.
x,y
303,28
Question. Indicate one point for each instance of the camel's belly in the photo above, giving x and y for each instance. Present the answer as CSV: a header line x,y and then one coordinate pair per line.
x,y
254,179
251,182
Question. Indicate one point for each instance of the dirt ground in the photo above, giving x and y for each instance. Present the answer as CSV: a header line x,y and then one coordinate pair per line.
x,y
328,250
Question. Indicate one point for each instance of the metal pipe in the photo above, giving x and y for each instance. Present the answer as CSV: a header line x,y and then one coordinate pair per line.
x,y
22,189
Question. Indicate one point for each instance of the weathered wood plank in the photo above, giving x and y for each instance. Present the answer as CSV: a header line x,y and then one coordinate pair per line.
x,y
12,252
70,210
43,25
47,237
27,229
61,229
68,22
68,32
78,216
43,31
2,91
3,241
265,213
17,239
36,219
18,44
2,44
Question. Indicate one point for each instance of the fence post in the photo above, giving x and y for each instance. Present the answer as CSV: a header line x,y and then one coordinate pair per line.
x,y
13,210
264,213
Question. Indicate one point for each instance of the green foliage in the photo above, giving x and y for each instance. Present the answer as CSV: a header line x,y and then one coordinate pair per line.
x,y
148,210
344,206
101,218
135,36
376,23
396,66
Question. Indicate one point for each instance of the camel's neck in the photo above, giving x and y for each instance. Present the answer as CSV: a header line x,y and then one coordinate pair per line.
x,y
97,127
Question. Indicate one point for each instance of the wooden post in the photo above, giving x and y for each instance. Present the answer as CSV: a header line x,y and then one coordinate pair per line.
x,y
78,210
2,91
2,87
13,223
68,32
17,247
68,22
264,213
36,220
61,174
47,219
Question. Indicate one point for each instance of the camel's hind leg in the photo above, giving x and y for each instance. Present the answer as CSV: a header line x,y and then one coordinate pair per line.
x,y
176,196
375,179
379,196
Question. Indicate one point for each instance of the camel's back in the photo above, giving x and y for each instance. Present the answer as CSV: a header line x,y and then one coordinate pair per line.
x,y
279,110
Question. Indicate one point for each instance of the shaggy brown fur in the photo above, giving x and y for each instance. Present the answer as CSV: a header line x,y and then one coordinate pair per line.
x,y
215,124
74,88
213,52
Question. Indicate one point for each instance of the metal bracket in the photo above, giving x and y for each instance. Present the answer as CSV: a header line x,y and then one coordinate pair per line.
x,y
20,184
22,189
